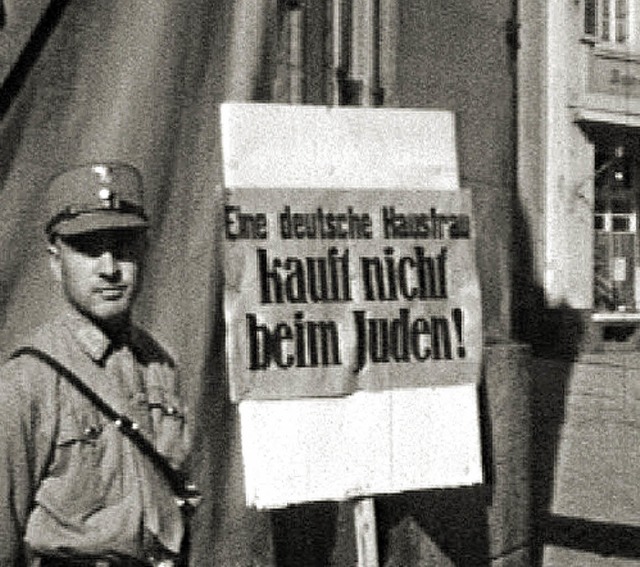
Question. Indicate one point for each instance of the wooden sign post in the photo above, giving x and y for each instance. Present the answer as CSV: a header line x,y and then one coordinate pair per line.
x,y
365,529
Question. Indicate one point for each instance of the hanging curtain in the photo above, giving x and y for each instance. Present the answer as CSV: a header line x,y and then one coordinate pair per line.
x,y
141,82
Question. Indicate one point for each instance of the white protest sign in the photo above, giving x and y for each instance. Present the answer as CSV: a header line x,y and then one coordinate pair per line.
x,y
332,291
361,445
352,302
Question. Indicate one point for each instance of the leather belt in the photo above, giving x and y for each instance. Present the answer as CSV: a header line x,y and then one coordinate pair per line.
x,y
50,561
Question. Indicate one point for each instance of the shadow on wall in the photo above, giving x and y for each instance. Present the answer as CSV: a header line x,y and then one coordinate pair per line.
x,y
547,403
447,528
555,336
29,55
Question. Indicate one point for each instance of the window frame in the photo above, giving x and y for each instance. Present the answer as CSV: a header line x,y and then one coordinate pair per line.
x,y
611,23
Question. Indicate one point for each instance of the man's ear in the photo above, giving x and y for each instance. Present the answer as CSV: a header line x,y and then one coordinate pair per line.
x,y
53,247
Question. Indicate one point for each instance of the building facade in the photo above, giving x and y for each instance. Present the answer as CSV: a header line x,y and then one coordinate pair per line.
x,y
578,113
578,190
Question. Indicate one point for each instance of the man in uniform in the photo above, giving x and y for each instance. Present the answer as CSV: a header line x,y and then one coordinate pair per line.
x,y
75,487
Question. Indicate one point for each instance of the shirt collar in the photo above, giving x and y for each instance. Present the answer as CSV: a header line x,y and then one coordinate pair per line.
x,y
93,341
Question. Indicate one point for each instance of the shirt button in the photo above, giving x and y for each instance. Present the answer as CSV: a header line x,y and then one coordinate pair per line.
x,y
92,432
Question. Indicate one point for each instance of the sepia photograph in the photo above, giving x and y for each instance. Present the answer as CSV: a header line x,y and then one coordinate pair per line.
x,y
319,283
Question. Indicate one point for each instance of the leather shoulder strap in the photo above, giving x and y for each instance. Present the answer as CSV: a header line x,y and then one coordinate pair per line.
x,y
187,493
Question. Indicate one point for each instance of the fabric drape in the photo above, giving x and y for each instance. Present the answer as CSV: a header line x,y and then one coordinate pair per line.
x,y
141,82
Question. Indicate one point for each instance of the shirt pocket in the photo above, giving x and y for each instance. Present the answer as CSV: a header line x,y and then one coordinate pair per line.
x,y
168,415
168,424
75,483
80,442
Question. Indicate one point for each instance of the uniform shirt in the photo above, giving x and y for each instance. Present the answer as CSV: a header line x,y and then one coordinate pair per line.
x,y
70,482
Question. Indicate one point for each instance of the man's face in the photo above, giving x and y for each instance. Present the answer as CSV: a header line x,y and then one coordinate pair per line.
x,y
99,271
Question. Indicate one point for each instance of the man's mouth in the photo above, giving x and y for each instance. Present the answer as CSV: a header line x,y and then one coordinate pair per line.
x,y
111,293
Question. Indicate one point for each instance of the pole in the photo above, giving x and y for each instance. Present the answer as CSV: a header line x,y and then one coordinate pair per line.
x,y
365,528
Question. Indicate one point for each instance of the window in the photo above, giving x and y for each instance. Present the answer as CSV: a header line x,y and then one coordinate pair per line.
x,y
616,260
335,52
608,21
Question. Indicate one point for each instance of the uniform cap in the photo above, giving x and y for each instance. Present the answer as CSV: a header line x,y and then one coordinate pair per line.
x,y
98,196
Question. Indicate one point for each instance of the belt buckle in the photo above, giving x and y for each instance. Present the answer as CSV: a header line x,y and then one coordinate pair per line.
x,y
161,562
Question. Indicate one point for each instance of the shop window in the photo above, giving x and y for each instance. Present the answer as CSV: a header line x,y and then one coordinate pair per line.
x,y
608,21
616,258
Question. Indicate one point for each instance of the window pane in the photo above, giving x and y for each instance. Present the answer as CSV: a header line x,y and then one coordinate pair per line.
x,y
590,17
606,20
621,21
621,223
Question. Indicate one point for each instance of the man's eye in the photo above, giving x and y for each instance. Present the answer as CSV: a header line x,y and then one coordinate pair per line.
x,y
86,248
122,248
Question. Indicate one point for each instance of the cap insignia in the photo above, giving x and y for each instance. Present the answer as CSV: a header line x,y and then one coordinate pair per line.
x,y
104,173
108,198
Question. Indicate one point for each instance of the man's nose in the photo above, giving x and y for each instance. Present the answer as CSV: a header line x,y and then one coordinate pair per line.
x,y
107,266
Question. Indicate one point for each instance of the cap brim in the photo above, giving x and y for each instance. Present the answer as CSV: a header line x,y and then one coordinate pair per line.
x,y
91,222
